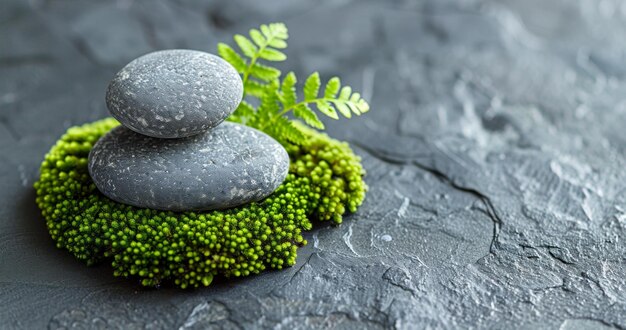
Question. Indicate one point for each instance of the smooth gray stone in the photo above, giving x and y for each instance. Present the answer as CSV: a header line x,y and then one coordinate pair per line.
x,y
227,166
174,93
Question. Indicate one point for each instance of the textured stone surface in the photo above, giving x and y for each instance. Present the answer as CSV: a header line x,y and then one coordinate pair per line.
x,y
227,166
494,148
174,93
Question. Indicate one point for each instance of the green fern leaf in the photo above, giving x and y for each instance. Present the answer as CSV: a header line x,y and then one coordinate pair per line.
x,y
278,43
269,100
231,56
353,103
332,87
257,37
245,108
275,34
355,97
275,30
246,46
263,46
288,90
354,108
277,97
345,93
312,86
343,108
288,131
305,113
264,72
363,106
272,55
349,101
326,109
253,88
265,29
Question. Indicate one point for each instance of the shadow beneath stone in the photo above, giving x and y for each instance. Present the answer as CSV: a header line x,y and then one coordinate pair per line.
x,y
33,257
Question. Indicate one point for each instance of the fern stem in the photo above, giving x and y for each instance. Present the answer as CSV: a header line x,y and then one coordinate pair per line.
x,y
253,60
293,106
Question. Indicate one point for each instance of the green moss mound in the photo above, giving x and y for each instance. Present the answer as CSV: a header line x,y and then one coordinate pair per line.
x,y
189,249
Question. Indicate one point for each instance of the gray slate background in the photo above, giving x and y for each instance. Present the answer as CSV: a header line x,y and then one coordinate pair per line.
x,y
495,153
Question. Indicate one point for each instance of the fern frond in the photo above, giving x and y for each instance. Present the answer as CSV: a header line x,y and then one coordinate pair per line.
x,y
332,87
268,107
324,107
246,46
288,90
231,56
275,31
253,88
346,101
263,44
278,96
272,55
305,113
343,108
312,86
264,72
285,130
257,37
345,93
329,103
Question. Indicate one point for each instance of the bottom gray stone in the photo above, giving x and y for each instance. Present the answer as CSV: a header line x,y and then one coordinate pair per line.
x,y
225,167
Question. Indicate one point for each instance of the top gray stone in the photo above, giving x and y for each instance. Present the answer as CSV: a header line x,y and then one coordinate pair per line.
x,y
174,93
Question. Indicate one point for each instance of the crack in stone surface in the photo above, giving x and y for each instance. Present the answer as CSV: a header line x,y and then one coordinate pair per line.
x,y
490,209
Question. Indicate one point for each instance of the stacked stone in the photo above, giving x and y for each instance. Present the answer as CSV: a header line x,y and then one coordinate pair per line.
x,y
173,150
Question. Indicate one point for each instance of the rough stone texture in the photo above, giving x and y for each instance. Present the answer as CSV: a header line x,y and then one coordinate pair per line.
x,y
174,93
495,151
227,166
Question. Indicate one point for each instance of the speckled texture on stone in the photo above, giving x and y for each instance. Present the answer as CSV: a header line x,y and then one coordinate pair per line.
x,y
227,166
174,93
495,152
